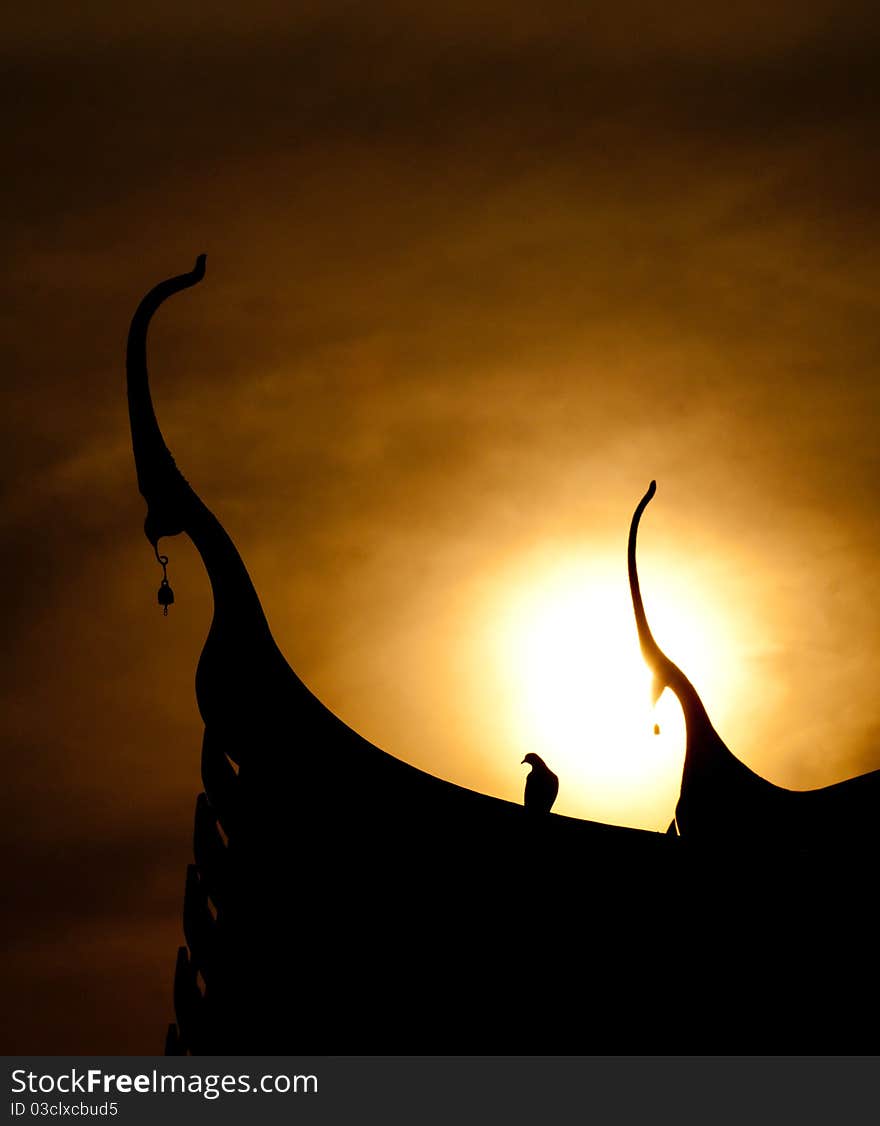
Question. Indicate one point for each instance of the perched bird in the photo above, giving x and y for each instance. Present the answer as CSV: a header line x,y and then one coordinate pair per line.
x,y
542,785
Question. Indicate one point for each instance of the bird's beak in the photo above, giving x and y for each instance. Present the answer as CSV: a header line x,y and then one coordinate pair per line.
x,y
523,762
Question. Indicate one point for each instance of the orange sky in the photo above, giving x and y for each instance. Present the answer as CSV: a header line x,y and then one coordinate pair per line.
x,y
474,278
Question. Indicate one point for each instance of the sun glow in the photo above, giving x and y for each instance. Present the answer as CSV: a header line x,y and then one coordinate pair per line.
x,y
577,692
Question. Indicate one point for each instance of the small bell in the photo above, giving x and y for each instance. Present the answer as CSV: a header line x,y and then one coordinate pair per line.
x,y
656,725
166,596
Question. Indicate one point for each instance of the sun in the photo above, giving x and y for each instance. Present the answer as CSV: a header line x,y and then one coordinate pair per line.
x,y
576,691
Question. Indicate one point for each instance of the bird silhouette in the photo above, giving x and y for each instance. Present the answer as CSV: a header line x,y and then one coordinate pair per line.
x,y
542,785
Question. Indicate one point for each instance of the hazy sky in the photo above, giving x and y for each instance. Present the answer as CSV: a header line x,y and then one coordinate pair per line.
x,y
475,276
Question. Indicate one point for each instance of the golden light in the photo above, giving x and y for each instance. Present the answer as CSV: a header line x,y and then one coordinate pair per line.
x,y
572,685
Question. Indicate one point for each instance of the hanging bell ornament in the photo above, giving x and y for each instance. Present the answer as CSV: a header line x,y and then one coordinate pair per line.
x,y
166,596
